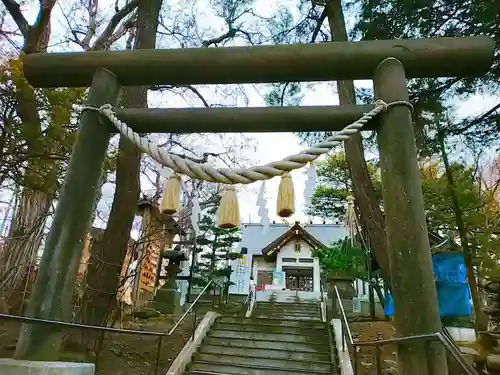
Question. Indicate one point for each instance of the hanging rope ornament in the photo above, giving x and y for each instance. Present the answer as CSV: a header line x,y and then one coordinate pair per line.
x,y
310,186
350,219
208,173
195,215
263,212
228,214
171,197
228,211
285,205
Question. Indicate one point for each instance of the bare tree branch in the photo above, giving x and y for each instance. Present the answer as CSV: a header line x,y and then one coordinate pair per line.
x,y
15,12
102,40
122,31
321,19
231,33
92,7
198,94
478,119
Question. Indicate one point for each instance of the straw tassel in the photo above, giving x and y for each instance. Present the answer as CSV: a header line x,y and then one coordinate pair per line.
x,y
170,200
228,214
285,206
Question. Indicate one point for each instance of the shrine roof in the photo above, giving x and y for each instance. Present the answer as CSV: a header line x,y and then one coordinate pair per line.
x,y
255,237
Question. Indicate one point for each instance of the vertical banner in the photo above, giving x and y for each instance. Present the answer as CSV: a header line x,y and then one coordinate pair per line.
x,y
278,280
240,276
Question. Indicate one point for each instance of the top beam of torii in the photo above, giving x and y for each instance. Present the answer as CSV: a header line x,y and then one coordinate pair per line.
x,y
439,57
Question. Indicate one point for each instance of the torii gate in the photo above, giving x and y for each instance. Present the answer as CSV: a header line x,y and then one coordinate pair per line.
x,y
387,62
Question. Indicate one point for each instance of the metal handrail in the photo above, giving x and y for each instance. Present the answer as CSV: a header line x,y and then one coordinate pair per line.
x,y
102,330
249,297
331,337
25,319
193,305
343,316
448,343
250,301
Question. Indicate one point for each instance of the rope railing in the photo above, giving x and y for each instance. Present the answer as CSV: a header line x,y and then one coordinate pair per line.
x,y
208,173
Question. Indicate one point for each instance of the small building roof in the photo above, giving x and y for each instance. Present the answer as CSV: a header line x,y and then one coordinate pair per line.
x,y
294,232
439,243
255,238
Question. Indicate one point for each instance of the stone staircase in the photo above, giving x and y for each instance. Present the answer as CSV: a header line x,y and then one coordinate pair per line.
x,y
281,339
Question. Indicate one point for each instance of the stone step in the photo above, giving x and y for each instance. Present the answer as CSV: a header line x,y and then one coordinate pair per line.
x,y
268,328
288,312
306,347
273,322
265,353
284,305
223,369
258,314
287,337
279,364
347,305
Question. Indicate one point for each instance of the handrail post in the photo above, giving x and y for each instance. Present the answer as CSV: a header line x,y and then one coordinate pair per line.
x,y
377,359
355,355
100,343
193,314
213,296
343,337
158,352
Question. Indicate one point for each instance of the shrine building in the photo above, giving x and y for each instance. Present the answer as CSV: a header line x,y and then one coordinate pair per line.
x,y
280,259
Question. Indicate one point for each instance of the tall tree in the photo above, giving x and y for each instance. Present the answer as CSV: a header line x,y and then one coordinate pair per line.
x,y
456,205
29,219
393,19
44,138
366,199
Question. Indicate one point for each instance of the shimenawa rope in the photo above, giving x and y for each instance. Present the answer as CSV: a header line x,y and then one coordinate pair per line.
x,y
239,176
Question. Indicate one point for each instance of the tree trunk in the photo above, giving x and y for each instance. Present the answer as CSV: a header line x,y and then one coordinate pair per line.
x,y
491,292
24,240
372,219
481,323
107,255
26,232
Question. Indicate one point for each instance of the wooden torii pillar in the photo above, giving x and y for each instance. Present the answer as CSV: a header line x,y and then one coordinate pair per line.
x,y
388,62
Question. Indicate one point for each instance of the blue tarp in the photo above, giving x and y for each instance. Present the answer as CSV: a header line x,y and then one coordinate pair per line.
x,y
454,299
389,305
451,284
449,268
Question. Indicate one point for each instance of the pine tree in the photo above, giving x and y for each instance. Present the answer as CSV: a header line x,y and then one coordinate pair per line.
x,y
215,258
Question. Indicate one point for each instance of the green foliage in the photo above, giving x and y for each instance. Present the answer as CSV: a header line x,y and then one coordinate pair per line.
x,y
342,258
284,94
329,198
481,212
214,260
37,133
393,19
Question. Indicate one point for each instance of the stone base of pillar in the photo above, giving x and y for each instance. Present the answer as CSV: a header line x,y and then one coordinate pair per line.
x,y
10,366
